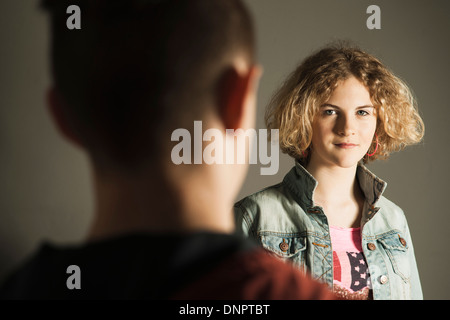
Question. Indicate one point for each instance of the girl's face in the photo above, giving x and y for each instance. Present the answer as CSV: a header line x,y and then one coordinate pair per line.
x,y
344,127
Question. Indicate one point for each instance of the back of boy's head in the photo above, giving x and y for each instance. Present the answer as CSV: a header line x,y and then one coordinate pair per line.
x,y
138,69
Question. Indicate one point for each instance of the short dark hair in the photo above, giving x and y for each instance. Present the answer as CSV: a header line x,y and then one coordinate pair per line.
x,y
139,68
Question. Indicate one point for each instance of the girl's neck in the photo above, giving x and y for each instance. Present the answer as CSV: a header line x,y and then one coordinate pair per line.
x,y
335,184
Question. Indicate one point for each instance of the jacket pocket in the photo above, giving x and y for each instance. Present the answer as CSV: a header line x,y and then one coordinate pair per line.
x,y
396,249
285,246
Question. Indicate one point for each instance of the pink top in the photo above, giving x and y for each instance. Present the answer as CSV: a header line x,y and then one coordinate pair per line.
x,y
351,275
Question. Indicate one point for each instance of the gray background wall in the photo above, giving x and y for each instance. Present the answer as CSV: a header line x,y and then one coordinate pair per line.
x,y
45,190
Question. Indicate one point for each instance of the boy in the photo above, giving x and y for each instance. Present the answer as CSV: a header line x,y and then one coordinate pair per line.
x,y
135,72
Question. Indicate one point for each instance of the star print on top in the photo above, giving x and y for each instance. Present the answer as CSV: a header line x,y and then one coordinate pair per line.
x,y
351,274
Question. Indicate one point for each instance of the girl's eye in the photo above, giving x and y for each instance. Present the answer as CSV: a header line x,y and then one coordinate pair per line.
x,y
362,113
329,112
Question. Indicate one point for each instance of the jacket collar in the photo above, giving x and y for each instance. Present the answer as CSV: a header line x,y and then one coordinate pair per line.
x,y
302,184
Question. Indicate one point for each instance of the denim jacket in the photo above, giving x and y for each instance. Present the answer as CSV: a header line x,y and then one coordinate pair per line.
x,y
285,213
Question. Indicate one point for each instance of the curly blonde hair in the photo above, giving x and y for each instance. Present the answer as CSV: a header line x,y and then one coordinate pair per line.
x,y
295,104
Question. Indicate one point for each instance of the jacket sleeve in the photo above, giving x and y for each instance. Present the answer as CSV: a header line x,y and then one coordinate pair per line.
x,y
416,288
242,219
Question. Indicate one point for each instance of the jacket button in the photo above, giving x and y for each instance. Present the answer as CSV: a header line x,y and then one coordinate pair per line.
x,y
403,242
284,246
383,279
371,246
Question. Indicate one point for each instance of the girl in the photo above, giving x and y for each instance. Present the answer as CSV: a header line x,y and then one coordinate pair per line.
x,y
341,108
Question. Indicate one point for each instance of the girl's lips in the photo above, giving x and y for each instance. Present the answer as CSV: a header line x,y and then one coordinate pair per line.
x,y
346,145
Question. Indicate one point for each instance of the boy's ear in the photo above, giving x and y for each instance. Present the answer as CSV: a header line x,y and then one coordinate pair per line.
x,y
55,105
237,97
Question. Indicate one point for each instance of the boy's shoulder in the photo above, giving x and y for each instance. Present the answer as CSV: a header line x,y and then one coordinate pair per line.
x,y
256,275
